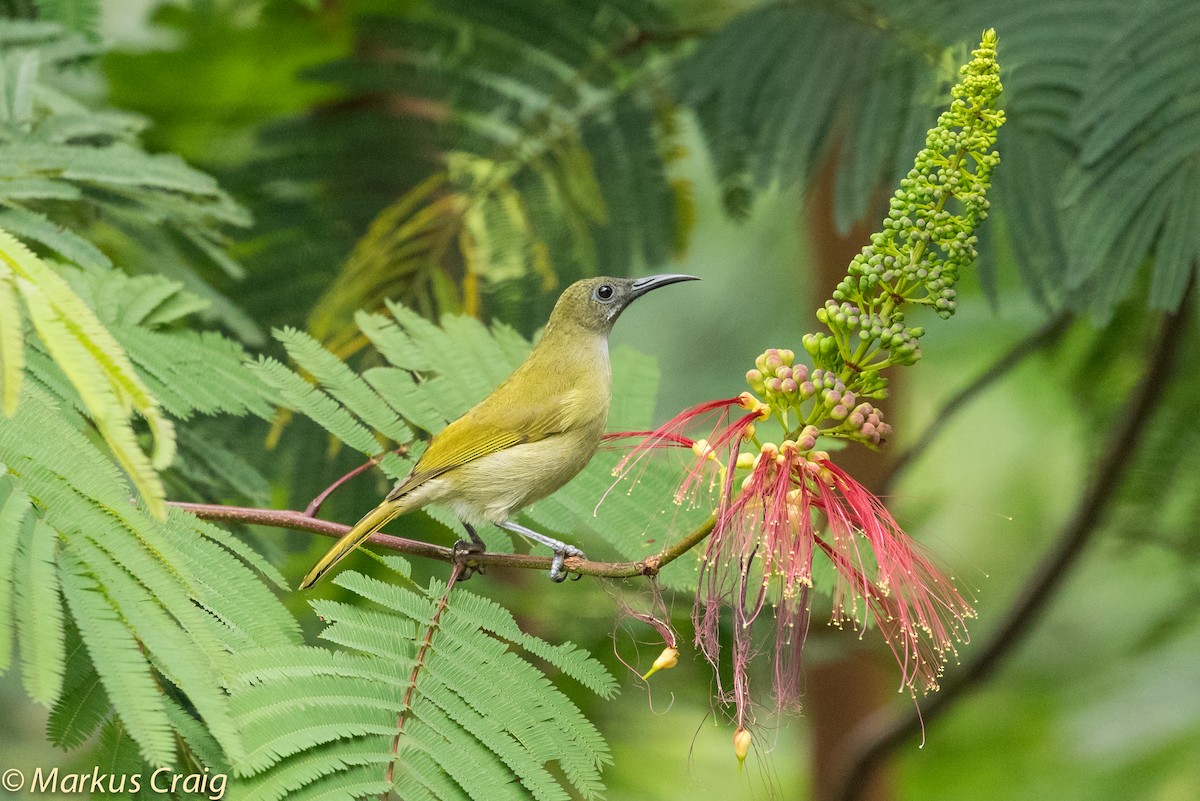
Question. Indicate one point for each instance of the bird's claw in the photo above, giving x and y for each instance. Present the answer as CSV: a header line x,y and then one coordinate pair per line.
x,y
558,573
462,551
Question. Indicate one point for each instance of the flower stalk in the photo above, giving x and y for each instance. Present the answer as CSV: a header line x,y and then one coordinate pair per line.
x,y
780,501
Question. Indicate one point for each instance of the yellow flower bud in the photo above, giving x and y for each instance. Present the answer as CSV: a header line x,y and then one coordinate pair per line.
x,y
753,404
701,448
669,658
745,461
741,745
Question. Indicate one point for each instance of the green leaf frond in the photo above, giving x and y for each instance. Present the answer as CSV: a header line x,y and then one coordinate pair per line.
x,y
1134,187
776,89
95,363
517,130
72,174
158,606
478,720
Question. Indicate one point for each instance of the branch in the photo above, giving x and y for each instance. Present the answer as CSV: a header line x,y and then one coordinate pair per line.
x,y
299,521
1043,337
874,739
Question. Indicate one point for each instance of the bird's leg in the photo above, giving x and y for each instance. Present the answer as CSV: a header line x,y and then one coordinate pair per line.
x,y
464,549
561,549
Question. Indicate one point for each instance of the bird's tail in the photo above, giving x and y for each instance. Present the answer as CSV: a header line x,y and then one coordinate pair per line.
x,y
371,522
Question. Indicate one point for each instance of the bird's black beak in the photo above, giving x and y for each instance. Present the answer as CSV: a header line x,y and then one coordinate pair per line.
x,y
643,285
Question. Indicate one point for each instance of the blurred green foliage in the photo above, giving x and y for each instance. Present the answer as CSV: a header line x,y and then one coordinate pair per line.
x,y
686,134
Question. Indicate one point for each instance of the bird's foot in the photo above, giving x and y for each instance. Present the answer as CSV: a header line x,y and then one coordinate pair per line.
x,y
562,551
463,550
558,573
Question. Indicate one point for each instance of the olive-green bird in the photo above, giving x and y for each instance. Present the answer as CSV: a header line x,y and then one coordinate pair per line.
x,y
531,435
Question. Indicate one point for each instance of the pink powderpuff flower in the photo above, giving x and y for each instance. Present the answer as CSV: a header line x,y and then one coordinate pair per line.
x,y
761,552
770,525
725,438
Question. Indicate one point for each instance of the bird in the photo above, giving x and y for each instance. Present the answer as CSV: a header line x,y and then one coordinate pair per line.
x,y
535,431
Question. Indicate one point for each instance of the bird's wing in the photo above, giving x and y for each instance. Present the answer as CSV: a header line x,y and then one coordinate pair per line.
x,y
486,429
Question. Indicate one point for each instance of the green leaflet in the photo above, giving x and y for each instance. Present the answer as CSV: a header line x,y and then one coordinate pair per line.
x,y
12,344
39,613
14,511
83,705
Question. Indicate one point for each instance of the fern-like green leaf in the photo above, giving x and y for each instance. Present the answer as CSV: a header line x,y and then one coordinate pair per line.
x,y
97,366
317,721
115,653
302,396
83,705
14,510
343,384
1133,183
12,344
69,171
39,614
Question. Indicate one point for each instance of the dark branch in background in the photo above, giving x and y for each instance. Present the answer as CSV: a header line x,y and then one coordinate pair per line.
x,y
880,735
1043,337
300,521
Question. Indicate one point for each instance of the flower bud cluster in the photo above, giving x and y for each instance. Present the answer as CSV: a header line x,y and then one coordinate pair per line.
x,y
818,396
854,325
924,245
927,238
865,424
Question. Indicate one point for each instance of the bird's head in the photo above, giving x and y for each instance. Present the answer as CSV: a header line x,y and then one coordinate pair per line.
x,y
595,303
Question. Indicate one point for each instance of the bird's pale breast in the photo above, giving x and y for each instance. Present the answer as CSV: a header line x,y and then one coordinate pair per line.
x,y
492,487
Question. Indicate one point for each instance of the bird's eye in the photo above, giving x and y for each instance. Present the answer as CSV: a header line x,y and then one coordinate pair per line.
x,y
605,292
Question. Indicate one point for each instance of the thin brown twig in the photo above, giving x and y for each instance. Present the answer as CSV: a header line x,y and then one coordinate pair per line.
x,y
314,506
422,653
299,521
879,735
